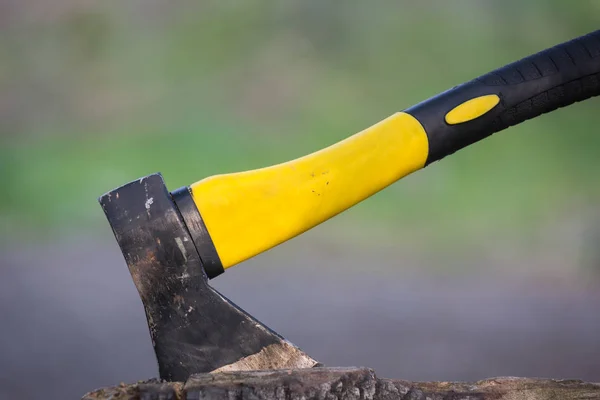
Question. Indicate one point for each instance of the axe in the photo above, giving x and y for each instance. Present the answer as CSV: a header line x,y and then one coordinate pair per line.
x,y
175,242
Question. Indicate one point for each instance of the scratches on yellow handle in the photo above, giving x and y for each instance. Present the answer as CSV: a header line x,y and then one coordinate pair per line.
x,y
471,109
249,212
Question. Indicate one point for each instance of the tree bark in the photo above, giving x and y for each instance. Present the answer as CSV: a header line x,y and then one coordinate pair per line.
x,y
343,384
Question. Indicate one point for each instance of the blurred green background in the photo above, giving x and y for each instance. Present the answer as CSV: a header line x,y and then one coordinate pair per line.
x,y
95,94
98,93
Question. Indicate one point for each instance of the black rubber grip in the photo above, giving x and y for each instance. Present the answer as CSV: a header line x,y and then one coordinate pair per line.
x,y
554,78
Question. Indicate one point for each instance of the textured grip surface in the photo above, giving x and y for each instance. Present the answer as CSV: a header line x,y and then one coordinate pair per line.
x,y
540,83
573,83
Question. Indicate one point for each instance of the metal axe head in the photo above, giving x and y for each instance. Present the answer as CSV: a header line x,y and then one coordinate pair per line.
x,y
193,327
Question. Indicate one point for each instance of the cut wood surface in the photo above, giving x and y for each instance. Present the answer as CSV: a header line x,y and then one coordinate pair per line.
x,y
343,384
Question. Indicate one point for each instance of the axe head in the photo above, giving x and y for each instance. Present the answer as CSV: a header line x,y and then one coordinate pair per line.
x,y
194,329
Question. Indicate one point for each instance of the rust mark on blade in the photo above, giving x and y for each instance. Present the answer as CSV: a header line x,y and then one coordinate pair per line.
x,y
146,273
179,300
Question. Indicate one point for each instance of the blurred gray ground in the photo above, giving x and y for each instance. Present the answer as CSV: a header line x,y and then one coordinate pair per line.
x,y
72,320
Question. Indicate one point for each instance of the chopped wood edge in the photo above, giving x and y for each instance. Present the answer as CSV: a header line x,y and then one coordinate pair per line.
x,y
351,383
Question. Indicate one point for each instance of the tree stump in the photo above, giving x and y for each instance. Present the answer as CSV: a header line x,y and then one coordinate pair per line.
x,y
343,384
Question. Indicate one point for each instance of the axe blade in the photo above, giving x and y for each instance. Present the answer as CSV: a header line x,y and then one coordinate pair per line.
x,y
194,329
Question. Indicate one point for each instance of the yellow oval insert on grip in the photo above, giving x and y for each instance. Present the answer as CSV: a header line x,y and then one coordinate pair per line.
x,y
249,212
471,109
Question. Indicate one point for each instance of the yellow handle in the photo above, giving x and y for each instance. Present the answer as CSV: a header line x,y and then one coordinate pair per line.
x,y
249,212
